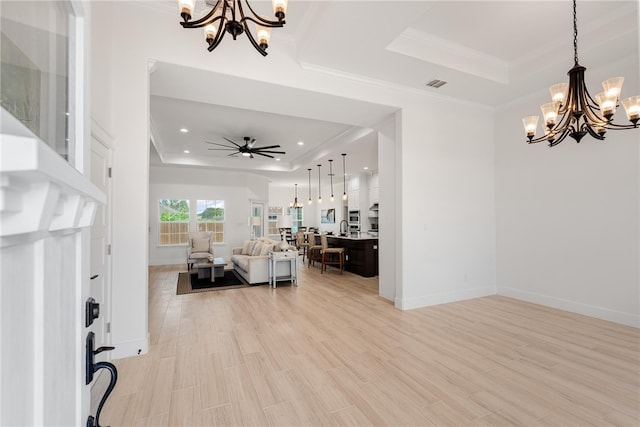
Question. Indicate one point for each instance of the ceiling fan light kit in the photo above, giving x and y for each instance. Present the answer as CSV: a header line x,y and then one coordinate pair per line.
x,y
228,16
574,112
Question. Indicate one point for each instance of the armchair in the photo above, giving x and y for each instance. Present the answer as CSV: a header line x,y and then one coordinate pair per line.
x,y
200,247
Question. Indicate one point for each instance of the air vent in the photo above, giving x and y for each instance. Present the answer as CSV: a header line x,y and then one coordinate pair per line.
x,y
436,83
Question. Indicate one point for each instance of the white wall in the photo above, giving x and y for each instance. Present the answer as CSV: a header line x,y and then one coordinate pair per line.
x,y
568,217
236,189
447,185
446,169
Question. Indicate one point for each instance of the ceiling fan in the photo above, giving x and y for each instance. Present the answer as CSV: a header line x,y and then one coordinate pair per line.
x,y
248,149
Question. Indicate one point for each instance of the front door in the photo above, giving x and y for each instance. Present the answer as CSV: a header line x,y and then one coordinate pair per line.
x,y
100,245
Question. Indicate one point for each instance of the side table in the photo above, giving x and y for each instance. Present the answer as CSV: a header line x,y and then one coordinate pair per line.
x,y
286,256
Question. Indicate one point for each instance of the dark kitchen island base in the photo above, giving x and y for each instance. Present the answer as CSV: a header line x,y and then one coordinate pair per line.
x,y
361,253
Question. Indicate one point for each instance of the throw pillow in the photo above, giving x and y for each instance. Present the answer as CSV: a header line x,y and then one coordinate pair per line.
x,y
252,244
256,249
245,248
265,249
200,245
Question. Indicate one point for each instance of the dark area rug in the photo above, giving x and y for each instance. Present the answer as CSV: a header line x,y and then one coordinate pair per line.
x,y
189,283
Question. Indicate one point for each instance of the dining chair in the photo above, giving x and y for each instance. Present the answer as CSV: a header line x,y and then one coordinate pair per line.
x,y
301,244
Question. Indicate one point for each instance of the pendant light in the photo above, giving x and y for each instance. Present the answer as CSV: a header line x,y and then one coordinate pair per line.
x,y
331,176
309,185
319,190
344,178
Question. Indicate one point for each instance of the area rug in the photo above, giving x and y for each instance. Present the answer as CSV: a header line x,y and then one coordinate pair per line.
x,y
189,283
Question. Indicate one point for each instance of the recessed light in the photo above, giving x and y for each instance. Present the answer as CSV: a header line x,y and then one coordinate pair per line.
x,y
184,130
186,151
277,159
366,168
300,143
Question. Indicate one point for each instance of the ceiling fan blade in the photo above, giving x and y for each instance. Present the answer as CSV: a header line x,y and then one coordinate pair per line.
x,y
221,145
231,142
261,154
251,155
269,151
233,154
266,147
223,149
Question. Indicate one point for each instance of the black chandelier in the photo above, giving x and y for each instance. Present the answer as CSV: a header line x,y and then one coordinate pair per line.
x,y
296,204
579,113
228,16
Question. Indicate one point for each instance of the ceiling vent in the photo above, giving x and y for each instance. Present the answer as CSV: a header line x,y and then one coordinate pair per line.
x,y
436,83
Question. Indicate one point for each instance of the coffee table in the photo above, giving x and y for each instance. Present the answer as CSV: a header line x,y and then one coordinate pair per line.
x,y
205,267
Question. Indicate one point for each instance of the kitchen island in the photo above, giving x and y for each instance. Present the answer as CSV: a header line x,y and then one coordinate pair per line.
x,y
361,253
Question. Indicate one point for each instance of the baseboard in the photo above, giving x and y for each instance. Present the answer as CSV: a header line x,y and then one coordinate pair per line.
x,y
443,298
130,348
623,318
168,261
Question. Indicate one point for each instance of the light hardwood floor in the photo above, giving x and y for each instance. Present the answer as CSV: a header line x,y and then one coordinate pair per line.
x,y
331,352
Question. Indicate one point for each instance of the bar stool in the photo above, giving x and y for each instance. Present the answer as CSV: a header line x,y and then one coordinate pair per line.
x,y
301,244
328,255
314,251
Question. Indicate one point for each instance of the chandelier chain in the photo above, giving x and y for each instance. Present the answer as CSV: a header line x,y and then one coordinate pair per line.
x,y
575,34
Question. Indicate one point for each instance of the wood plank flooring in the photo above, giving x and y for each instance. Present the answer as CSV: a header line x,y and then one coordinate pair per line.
x,y
332,353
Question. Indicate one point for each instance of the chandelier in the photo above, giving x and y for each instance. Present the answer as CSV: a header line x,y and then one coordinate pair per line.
x,y
296,204
227,16
574,112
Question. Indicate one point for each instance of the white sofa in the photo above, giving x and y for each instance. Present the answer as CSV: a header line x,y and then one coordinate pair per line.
x,y
251,260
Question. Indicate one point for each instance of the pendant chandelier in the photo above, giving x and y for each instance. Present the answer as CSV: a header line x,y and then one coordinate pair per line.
x,y
309,188
296,204
344,179
573,111
227,16
331,176
319,191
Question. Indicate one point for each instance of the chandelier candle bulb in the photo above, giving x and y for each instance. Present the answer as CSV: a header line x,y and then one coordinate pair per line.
x,y
607,104
264,35
530,125
612,87
632,108
550,114
559,93
279,8
210,32
186,8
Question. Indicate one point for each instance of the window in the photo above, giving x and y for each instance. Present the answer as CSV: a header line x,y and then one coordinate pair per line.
x,y
35,68
296,218
210,217
274,213
174,221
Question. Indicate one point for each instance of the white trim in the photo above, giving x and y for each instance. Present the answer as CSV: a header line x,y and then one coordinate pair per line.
x,y
629,319
443,298
130,348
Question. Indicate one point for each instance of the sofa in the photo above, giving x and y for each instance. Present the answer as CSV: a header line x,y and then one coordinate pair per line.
x,y
251,260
